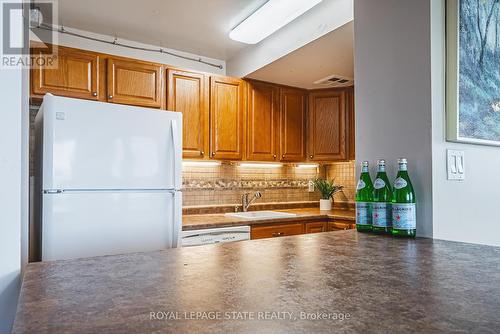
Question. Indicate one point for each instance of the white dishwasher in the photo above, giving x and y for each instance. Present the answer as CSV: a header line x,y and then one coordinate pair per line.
x,y
215,235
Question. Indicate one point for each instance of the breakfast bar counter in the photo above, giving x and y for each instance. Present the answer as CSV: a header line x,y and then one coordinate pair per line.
x,y
326,282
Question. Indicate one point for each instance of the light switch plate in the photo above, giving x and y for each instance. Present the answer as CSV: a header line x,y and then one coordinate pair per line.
x,y
456,165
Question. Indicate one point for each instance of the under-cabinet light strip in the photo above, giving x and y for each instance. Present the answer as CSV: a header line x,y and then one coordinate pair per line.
x,y
303,166
259,165
201,163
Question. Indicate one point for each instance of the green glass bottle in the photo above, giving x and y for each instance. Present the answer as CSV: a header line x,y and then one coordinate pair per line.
x,y
364,198
404,211
382,197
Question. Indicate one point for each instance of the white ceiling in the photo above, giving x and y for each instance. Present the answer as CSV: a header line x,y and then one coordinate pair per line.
x,y
329,54
197,26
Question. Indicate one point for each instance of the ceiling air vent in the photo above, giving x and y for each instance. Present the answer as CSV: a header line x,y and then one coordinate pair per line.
x,y
335,81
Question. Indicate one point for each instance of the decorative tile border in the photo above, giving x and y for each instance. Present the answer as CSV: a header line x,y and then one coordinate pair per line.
x,y
227,184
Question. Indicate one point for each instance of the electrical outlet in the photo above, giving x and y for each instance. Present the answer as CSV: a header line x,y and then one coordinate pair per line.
x,y
310,187
456,165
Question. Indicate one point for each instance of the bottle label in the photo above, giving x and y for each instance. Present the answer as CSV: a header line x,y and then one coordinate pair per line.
x,y
404,216
381,214
400,183
363,213
361,185
379,184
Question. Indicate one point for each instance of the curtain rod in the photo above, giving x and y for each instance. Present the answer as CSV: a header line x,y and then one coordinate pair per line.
x,y
62,30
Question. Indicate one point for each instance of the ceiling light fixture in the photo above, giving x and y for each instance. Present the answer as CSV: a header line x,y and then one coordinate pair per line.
x,y
272,16
259,165
201,163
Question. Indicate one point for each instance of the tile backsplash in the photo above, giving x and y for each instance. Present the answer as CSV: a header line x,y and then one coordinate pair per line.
x,y
343,173
224,184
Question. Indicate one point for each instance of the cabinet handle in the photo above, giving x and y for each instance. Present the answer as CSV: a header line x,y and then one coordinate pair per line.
x,y
94,94
278,234
283,156
311,156
110,97
213,154
274,156
202,152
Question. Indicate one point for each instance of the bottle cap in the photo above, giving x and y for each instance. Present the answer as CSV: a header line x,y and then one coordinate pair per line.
x,y
402,161
365,164
381,162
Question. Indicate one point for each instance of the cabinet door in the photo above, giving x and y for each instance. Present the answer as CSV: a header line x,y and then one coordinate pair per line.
x,y
341,225
327,133
188,94
76,75
292,124
262,122
352,123
135,82
273,231
226,118
315,227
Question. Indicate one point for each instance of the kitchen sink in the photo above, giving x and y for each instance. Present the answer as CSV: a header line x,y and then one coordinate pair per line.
x,y
256,215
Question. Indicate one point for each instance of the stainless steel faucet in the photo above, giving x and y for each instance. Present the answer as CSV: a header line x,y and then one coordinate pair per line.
x,y
245,202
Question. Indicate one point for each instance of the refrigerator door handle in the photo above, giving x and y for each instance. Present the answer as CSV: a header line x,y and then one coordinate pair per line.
x,y
177,220
177,158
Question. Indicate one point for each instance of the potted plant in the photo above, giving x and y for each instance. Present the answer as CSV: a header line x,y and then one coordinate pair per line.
x,y
327,190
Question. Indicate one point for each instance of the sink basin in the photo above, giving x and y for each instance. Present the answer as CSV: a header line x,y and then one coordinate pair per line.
x,y
256,215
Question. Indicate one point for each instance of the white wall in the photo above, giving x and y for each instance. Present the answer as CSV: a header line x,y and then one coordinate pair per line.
x,y
81,43
320,20
393,92
463,211
13,188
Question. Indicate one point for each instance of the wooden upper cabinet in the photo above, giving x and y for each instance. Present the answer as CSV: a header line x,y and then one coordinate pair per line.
x,y
292,124
76,75
135,82
262,122
188,94
352,124
226,118
327,135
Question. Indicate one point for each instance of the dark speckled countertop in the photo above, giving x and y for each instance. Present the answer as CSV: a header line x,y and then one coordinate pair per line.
x,y
202,221
375,284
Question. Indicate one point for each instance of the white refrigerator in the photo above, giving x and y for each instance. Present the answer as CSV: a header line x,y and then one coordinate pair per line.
x,y
109,178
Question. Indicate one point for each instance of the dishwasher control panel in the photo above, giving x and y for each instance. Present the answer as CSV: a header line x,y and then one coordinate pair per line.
x,y
215,235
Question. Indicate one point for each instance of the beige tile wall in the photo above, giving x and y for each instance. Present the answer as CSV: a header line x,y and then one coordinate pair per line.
x,y
224,185
343,173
